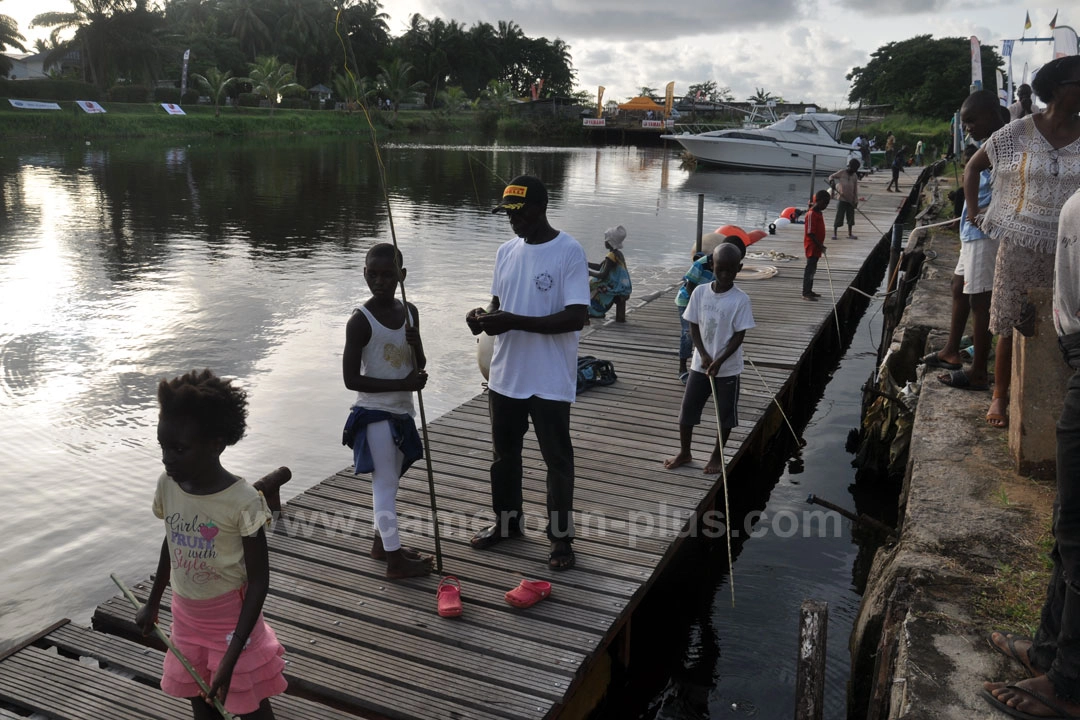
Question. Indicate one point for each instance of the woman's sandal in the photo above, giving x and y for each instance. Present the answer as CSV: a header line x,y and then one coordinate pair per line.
x,y
448,597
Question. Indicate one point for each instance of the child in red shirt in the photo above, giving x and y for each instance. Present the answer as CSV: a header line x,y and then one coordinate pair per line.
x,y
814,242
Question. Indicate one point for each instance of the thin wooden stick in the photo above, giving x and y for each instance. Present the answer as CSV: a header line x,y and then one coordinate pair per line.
x,y
723,473
832,292
798,440
173,649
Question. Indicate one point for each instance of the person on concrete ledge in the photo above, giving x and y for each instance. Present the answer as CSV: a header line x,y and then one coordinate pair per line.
x,y
1053,656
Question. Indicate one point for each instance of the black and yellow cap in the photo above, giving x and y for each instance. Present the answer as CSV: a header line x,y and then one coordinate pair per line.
x,y
522,190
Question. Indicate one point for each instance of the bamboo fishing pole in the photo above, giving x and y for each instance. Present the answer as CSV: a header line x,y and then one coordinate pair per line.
x,y
408,318
218,705
723,474
832,292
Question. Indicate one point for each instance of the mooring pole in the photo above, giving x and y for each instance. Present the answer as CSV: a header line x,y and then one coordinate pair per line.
x,y
700,222
813,175
810,672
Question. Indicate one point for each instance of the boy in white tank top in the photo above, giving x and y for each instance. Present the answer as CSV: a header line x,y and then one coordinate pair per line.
x,y
384,363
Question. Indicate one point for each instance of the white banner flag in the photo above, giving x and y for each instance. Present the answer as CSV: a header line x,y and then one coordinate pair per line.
x,y
1065,42
33,105
976,64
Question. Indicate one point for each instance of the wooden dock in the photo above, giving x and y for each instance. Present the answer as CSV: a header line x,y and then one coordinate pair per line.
x,y
359,645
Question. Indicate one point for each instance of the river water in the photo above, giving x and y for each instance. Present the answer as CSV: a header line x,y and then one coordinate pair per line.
x,y
124,263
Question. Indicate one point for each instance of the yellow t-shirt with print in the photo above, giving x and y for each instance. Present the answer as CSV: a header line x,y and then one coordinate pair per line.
x,y
205,535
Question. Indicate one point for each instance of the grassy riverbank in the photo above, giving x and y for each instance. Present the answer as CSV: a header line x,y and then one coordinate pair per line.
x,y
124,120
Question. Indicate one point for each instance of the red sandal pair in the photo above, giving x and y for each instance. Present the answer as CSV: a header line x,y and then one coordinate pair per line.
x,y
525,595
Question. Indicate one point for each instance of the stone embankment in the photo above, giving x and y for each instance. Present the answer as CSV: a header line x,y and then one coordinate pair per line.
x,y
919,645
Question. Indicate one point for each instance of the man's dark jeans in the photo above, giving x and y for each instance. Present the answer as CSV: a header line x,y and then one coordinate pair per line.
x,y
551,423
1057,642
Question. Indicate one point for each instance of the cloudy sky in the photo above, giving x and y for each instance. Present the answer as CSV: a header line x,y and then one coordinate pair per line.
x,y
798,49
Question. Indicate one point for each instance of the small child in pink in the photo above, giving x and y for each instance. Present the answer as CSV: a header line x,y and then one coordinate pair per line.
x,y
214,554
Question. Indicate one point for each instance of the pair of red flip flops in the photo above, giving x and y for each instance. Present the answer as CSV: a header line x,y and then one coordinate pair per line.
x,y
525,595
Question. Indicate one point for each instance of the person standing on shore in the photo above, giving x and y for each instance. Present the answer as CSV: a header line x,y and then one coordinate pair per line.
x,y
1036,167
1053,656
973,278
540,296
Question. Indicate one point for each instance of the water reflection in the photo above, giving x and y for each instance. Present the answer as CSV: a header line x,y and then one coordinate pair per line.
x,y
124,263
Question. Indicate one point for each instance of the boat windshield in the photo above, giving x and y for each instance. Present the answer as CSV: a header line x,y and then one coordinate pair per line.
x,y
806,126
832,127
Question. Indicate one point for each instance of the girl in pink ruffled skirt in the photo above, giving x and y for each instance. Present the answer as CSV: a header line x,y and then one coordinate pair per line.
x,y
214,554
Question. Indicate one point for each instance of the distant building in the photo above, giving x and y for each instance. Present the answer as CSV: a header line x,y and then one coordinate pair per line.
x,y
31,66
27,66
319,92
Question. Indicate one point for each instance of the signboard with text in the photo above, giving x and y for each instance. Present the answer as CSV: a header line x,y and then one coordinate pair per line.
x,y
652,123
173,109
594,122
33,105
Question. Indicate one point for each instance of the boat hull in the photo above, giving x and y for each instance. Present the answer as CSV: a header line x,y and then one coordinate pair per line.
x,y
766,156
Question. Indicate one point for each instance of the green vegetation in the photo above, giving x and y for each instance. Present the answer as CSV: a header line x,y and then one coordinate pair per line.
x,y
908,129
922,76
140,43
1012,598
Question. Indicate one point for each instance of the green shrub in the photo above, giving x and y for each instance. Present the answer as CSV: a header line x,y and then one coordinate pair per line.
x,y
167,95
191,97
293,103
48,90
128,94
248,100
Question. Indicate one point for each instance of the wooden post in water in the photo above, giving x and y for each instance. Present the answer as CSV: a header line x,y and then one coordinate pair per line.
x,y
810,672
700,222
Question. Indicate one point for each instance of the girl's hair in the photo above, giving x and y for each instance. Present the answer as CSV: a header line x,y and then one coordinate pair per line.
x,y
1049,75
218,406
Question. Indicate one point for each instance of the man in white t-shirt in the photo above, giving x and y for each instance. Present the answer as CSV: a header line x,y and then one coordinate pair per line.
x,y
540,295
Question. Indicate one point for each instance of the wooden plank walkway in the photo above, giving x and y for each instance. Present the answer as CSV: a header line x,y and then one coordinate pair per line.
x,y
361,645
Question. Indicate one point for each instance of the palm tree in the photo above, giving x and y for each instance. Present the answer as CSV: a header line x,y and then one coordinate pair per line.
x,y
90,19
271,78
9,37
760,97
215,83
394,83
248,25
453,99
353,91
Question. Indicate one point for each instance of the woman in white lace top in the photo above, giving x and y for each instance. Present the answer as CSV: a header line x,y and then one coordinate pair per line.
x,y
1036,168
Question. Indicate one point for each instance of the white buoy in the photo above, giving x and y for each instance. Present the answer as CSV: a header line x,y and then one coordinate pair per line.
x,y
485,347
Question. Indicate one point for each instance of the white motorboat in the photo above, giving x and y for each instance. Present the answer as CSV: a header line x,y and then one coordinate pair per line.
x,y
794,143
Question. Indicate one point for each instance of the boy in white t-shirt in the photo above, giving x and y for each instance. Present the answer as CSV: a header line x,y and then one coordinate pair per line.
x,y
719,315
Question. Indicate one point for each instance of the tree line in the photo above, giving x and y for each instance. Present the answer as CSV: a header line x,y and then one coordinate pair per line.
x,y
321,41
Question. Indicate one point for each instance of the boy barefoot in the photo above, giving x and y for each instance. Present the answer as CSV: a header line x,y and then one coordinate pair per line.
x,y
384,363
719,315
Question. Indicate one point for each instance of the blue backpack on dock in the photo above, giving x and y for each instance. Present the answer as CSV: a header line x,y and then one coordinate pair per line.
x,y
592,371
